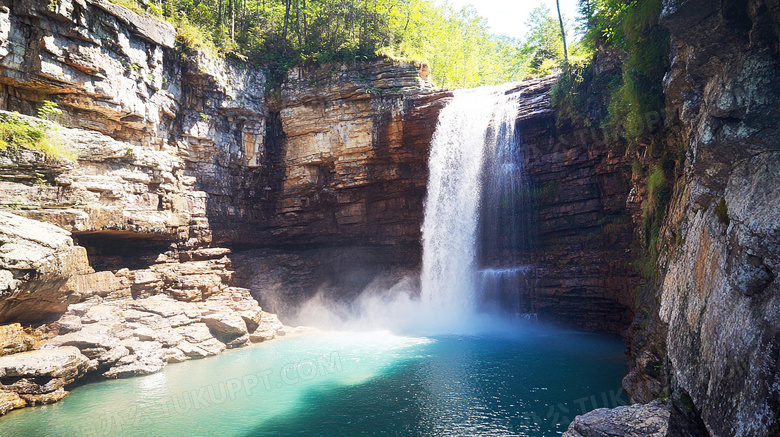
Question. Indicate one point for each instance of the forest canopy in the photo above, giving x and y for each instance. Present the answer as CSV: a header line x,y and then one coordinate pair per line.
x,y
277,34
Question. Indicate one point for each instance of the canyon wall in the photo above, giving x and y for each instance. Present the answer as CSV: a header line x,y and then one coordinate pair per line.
x,y
196,185
719,295
581,254
707,334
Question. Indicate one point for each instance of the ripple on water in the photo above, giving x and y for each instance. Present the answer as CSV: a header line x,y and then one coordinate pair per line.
x,y
348,384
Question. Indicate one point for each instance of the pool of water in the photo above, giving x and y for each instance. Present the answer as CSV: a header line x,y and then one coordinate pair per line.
x,y
530,383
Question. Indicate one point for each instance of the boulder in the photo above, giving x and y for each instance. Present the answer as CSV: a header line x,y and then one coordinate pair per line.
x,y
14,340
36,260
225,326
10,400
66,363
650,420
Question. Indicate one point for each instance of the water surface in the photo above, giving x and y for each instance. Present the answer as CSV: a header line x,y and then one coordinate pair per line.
x,y
531,383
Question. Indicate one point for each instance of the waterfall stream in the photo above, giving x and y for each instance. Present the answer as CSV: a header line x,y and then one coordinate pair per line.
x,y
476,212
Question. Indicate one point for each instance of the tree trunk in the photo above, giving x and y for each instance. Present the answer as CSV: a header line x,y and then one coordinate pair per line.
x,y
232,20
286,18
298,21
563,32
219,17
305,26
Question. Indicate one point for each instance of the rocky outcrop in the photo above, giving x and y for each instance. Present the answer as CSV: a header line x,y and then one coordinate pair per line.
x,y
39,376
720,294
36,261
713,330
115,324
637,420
128,337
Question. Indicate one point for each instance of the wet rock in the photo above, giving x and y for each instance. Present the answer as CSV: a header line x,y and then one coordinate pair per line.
x,y
268,328
10,400
262,335
240,341
39,376
44,398
650,420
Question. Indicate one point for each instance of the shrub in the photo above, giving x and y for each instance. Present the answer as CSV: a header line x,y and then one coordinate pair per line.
x,y
16,132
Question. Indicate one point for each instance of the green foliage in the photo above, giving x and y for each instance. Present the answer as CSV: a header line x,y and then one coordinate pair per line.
x,y
634,101
569,94
544,43
722,212
457,44
644,266
278,34
49,110
654,207
632,30
16,132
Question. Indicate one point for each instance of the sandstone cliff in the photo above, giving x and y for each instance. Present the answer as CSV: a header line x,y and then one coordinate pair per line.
x,y
188,170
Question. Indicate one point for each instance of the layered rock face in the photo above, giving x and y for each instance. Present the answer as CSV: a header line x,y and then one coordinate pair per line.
x,y
582,251
720,293
340,193
103,63
345,161
122,278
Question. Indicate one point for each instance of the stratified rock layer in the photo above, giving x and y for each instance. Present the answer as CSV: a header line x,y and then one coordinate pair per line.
x,y
582,244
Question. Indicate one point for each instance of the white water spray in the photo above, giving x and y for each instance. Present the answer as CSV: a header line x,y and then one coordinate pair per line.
x,y
468,128
474,144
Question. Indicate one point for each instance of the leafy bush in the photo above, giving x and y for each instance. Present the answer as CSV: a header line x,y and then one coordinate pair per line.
x,y
17,132
634,100
654,207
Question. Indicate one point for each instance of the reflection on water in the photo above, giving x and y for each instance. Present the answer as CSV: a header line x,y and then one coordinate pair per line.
x,y
531,383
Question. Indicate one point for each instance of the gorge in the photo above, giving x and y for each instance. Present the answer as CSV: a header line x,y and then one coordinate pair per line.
x,y
201,194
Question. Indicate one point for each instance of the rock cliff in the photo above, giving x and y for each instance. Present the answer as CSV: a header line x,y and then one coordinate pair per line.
x,y
123,277
719,295
195,187
711,334
581,254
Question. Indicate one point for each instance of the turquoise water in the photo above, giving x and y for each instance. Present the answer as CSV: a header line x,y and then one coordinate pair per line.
x,y
531,383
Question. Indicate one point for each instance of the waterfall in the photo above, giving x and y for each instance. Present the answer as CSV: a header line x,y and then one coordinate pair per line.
x,y
476,187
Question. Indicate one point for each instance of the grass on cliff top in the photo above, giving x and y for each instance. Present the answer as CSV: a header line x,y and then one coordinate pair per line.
x,y
17,132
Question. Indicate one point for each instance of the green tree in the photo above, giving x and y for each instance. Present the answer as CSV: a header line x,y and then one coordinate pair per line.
x,y
544,44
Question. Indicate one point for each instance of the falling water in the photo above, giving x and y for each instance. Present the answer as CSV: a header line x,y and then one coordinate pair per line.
x,y
474,155
506,223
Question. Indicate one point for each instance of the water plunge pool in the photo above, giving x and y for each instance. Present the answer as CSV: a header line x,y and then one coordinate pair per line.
x,y
530,383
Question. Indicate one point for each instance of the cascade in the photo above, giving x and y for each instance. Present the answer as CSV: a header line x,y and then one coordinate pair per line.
x,y
477,208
